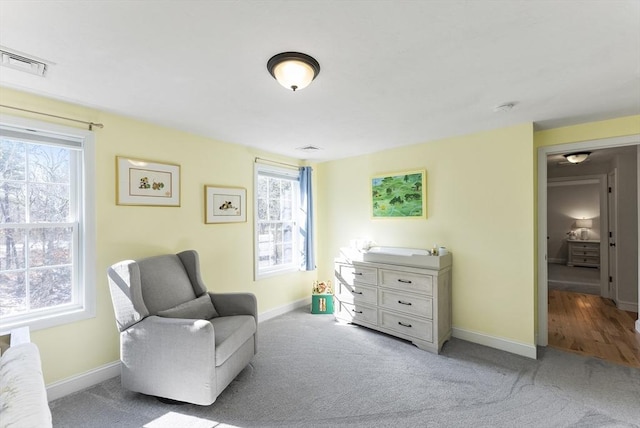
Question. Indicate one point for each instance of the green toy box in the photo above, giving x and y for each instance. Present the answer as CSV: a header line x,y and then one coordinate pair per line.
x,y
322,303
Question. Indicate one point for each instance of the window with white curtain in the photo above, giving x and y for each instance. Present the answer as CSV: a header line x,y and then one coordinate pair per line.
x,y
47,228
277,197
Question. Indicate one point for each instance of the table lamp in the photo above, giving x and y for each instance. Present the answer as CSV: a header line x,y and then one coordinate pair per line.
x,y
584,224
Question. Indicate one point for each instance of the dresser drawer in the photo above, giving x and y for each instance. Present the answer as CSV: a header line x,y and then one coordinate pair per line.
x,y
357,312
344,274
586,245
411,304
585,249
578,252
357,293
364,274
420,329
585,260
407,281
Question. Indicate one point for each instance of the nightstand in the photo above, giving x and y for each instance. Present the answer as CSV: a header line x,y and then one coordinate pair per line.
x,y
583,253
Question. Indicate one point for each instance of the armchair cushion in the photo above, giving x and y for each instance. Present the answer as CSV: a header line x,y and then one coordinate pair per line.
x,y
200,309
231,333
164,283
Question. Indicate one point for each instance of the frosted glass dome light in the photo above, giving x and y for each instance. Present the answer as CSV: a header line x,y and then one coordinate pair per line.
x,y
293,70
577,157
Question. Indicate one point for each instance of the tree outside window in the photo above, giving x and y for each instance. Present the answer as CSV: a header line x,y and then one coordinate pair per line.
x,y
276,242
38,226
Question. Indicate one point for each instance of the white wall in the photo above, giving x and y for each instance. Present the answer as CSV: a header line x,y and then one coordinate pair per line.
x,y
627,223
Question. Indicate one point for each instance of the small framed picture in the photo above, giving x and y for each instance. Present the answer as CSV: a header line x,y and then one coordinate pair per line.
x,y
399,195
142,182
225,204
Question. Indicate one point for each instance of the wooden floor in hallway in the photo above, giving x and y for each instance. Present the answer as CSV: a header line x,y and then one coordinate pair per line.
x,y
592,325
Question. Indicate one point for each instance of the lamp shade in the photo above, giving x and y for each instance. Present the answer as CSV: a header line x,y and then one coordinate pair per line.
x,y
577,157
584,223
293,70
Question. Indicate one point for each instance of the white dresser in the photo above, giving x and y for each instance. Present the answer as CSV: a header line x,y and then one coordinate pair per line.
x,y
408,302
583,253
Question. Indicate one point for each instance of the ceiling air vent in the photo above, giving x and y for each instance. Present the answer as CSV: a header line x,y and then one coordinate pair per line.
x,y
23,63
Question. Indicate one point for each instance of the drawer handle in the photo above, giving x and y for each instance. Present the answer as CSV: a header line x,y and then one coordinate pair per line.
x,y
404,303
404,281
404,324
356,292
357,312
358,273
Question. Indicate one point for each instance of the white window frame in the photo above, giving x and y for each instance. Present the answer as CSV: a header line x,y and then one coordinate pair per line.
x,y
294,266
84,302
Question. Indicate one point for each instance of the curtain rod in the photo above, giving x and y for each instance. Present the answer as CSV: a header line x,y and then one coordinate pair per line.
x,y
91,124
279,163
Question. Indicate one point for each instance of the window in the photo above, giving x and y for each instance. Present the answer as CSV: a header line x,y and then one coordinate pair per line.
x,y
276,237
46,224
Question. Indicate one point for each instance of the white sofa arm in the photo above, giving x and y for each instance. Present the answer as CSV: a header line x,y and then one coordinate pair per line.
x,y
23,397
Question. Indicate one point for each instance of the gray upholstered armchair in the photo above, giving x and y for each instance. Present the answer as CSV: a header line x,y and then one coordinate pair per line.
x,y
177,340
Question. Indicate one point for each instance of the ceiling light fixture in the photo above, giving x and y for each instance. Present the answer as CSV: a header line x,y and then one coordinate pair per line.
x,y
293,70
577,157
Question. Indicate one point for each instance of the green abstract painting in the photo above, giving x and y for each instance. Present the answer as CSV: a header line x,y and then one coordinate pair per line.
x,y
399,195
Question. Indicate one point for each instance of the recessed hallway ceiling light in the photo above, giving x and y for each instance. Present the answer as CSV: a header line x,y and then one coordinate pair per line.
x,y
577,157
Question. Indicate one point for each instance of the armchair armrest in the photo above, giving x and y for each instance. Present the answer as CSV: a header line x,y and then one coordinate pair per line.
x,y
228,304
183,338
166,326
159,356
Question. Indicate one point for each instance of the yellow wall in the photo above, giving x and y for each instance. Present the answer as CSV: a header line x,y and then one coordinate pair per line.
x,y
628,125
479,205
123,232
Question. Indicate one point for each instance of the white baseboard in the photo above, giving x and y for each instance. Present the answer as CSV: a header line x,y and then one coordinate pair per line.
x,y
627,306
272,313
518,348
82,381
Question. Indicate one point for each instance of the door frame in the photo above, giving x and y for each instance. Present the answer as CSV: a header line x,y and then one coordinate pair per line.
x,y
612,211
542,334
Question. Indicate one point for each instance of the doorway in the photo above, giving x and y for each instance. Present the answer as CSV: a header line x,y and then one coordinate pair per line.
x,y
543,256
577,219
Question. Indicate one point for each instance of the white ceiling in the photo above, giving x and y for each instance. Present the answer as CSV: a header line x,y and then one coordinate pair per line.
x,y
392,73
